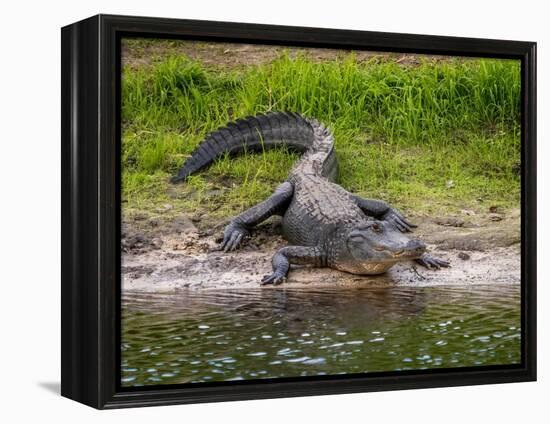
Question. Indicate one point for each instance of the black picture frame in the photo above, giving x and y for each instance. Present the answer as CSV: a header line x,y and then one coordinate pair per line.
x,y
90,179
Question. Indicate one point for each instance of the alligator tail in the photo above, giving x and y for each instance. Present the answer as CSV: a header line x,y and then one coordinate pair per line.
x,y
253,133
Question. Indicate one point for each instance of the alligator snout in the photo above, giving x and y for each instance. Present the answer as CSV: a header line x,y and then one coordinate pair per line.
x,y
413,249
416,246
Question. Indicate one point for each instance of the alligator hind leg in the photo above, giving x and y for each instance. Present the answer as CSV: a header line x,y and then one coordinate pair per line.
x,y
240,226
381,210
299,255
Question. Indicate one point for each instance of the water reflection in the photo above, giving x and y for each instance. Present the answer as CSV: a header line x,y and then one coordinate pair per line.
x,y
198,336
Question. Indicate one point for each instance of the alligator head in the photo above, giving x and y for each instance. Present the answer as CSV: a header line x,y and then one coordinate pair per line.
x,y
374,246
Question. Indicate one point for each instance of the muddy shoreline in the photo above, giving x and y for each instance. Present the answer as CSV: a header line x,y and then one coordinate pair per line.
x,y
139,53
162,254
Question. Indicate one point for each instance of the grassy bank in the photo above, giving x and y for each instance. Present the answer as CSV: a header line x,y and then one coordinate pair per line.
x,y
434,137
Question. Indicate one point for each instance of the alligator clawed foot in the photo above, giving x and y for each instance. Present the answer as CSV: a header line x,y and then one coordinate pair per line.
x,y
395,217
275,278
233,237
432,263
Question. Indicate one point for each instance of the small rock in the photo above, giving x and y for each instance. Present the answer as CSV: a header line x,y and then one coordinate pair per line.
x,y
495,217
196,218
468,212
208,232
463,243
209,194
464,256
184,225
450,222
176,193
493,209
165,208
156,243
134,242
450,184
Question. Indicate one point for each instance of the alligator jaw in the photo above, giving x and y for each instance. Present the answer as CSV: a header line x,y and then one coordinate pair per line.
x,y
407,254
414,249
380,266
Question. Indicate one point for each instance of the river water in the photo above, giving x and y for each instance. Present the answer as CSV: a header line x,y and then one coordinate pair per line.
x,y
221,335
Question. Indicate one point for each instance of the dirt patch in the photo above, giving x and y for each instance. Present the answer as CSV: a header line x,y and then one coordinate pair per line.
x,y
474,232
171,254
138,53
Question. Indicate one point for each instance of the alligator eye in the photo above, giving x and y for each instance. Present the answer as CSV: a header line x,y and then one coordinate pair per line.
x,y
376,228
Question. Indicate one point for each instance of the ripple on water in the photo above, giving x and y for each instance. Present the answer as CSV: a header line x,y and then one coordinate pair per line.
x,y
315,361
301,359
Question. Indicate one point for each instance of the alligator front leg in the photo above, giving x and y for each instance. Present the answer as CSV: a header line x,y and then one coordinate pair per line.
x,y
381,210
299,255
240,226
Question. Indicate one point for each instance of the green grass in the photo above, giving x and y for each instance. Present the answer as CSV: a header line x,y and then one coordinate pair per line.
x,y
435,137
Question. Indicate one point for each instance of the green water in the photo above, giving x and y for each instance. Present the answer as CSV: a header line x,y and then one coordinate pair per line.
x,y
204,336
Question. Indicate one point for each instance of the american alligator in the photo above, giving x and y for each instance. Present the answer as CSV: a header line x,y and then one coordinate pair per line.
x,y
325,225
